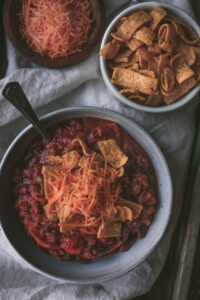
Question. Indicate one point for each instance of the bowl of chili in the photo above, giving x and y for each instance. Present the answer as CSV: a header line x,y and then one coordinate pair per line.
x,y
78,254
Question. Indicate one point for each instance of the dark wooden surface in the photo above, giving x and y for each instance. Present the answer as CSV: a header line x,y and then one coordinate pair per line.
x,y
161,289
196,6
3,58
194,289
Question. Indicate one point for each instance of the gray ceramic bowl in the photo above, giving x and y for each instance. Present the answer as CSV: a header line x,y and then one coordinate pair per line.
x,y
104,268
104,70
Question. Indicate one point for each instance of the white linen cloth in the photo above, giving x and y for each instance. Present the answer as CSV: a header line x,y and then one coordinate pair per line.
x,y
50,89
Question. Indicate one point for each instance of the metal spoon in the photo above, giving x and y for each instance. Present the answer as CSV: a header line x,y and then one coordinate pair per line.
x,y
14,94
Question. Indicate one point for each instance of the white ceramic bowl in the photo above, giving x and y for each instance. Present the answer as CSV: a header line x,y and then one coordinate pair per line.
x,y
104,268
104,70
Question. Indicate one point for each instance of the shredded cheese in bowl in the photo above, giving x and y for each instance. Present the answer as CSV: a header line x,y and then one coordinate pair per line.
x,y
55,28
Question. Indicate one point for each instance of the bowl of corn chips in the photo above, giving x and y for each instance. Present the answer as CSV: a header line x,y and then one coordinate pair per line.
x,y
150,57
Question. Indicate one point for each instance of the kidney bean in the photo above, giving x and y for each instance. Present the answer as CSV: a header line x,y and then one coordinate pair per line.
x,y
146,197
23,190
24,206
148,210
33,161
142,162
34,190
72,245
28,173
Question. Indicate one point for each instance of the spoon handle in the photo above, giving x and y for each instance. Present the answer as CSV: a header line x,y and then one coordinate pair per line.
x,y
14,94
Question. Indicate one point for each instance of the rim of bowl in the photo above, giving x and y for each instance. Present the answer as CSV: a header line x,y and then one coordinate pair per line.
x,y
148,5
108,113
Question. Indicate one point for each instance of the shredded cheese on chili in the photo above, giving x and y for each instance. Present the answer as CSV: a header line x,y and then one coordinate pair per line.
x,y
55,28
83,196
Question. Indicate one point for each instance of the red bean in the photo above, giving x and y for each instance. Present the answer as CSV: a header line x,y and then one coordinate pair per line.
x,y
23,190
72,245
146,197
28,173
24,206
142,162
35,190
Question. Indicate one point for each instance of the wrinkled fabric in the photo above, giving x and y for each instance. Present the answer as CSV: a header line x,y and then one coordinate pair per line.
x,y
82,85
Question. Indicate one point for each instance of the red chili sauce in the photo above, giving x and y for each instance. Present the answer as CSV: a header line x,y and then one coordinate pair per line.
x,y
29,195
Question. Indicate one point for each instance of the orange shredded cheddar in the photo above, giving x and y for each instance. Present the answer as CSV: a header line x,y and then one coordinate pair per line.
x,y
55,28
82,196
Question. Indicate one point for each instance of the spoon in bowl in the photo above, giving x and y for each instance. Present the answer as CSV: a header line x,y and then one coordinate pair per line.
x,y
14,93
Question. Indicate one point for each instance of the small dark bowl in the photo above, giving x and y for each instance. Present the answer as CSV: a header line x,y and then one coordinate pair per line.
x,y
11,22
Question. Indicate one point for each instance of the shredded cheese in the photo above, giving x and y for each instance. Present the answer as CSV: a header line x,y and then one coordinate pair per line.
x,y
83,196
55,28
